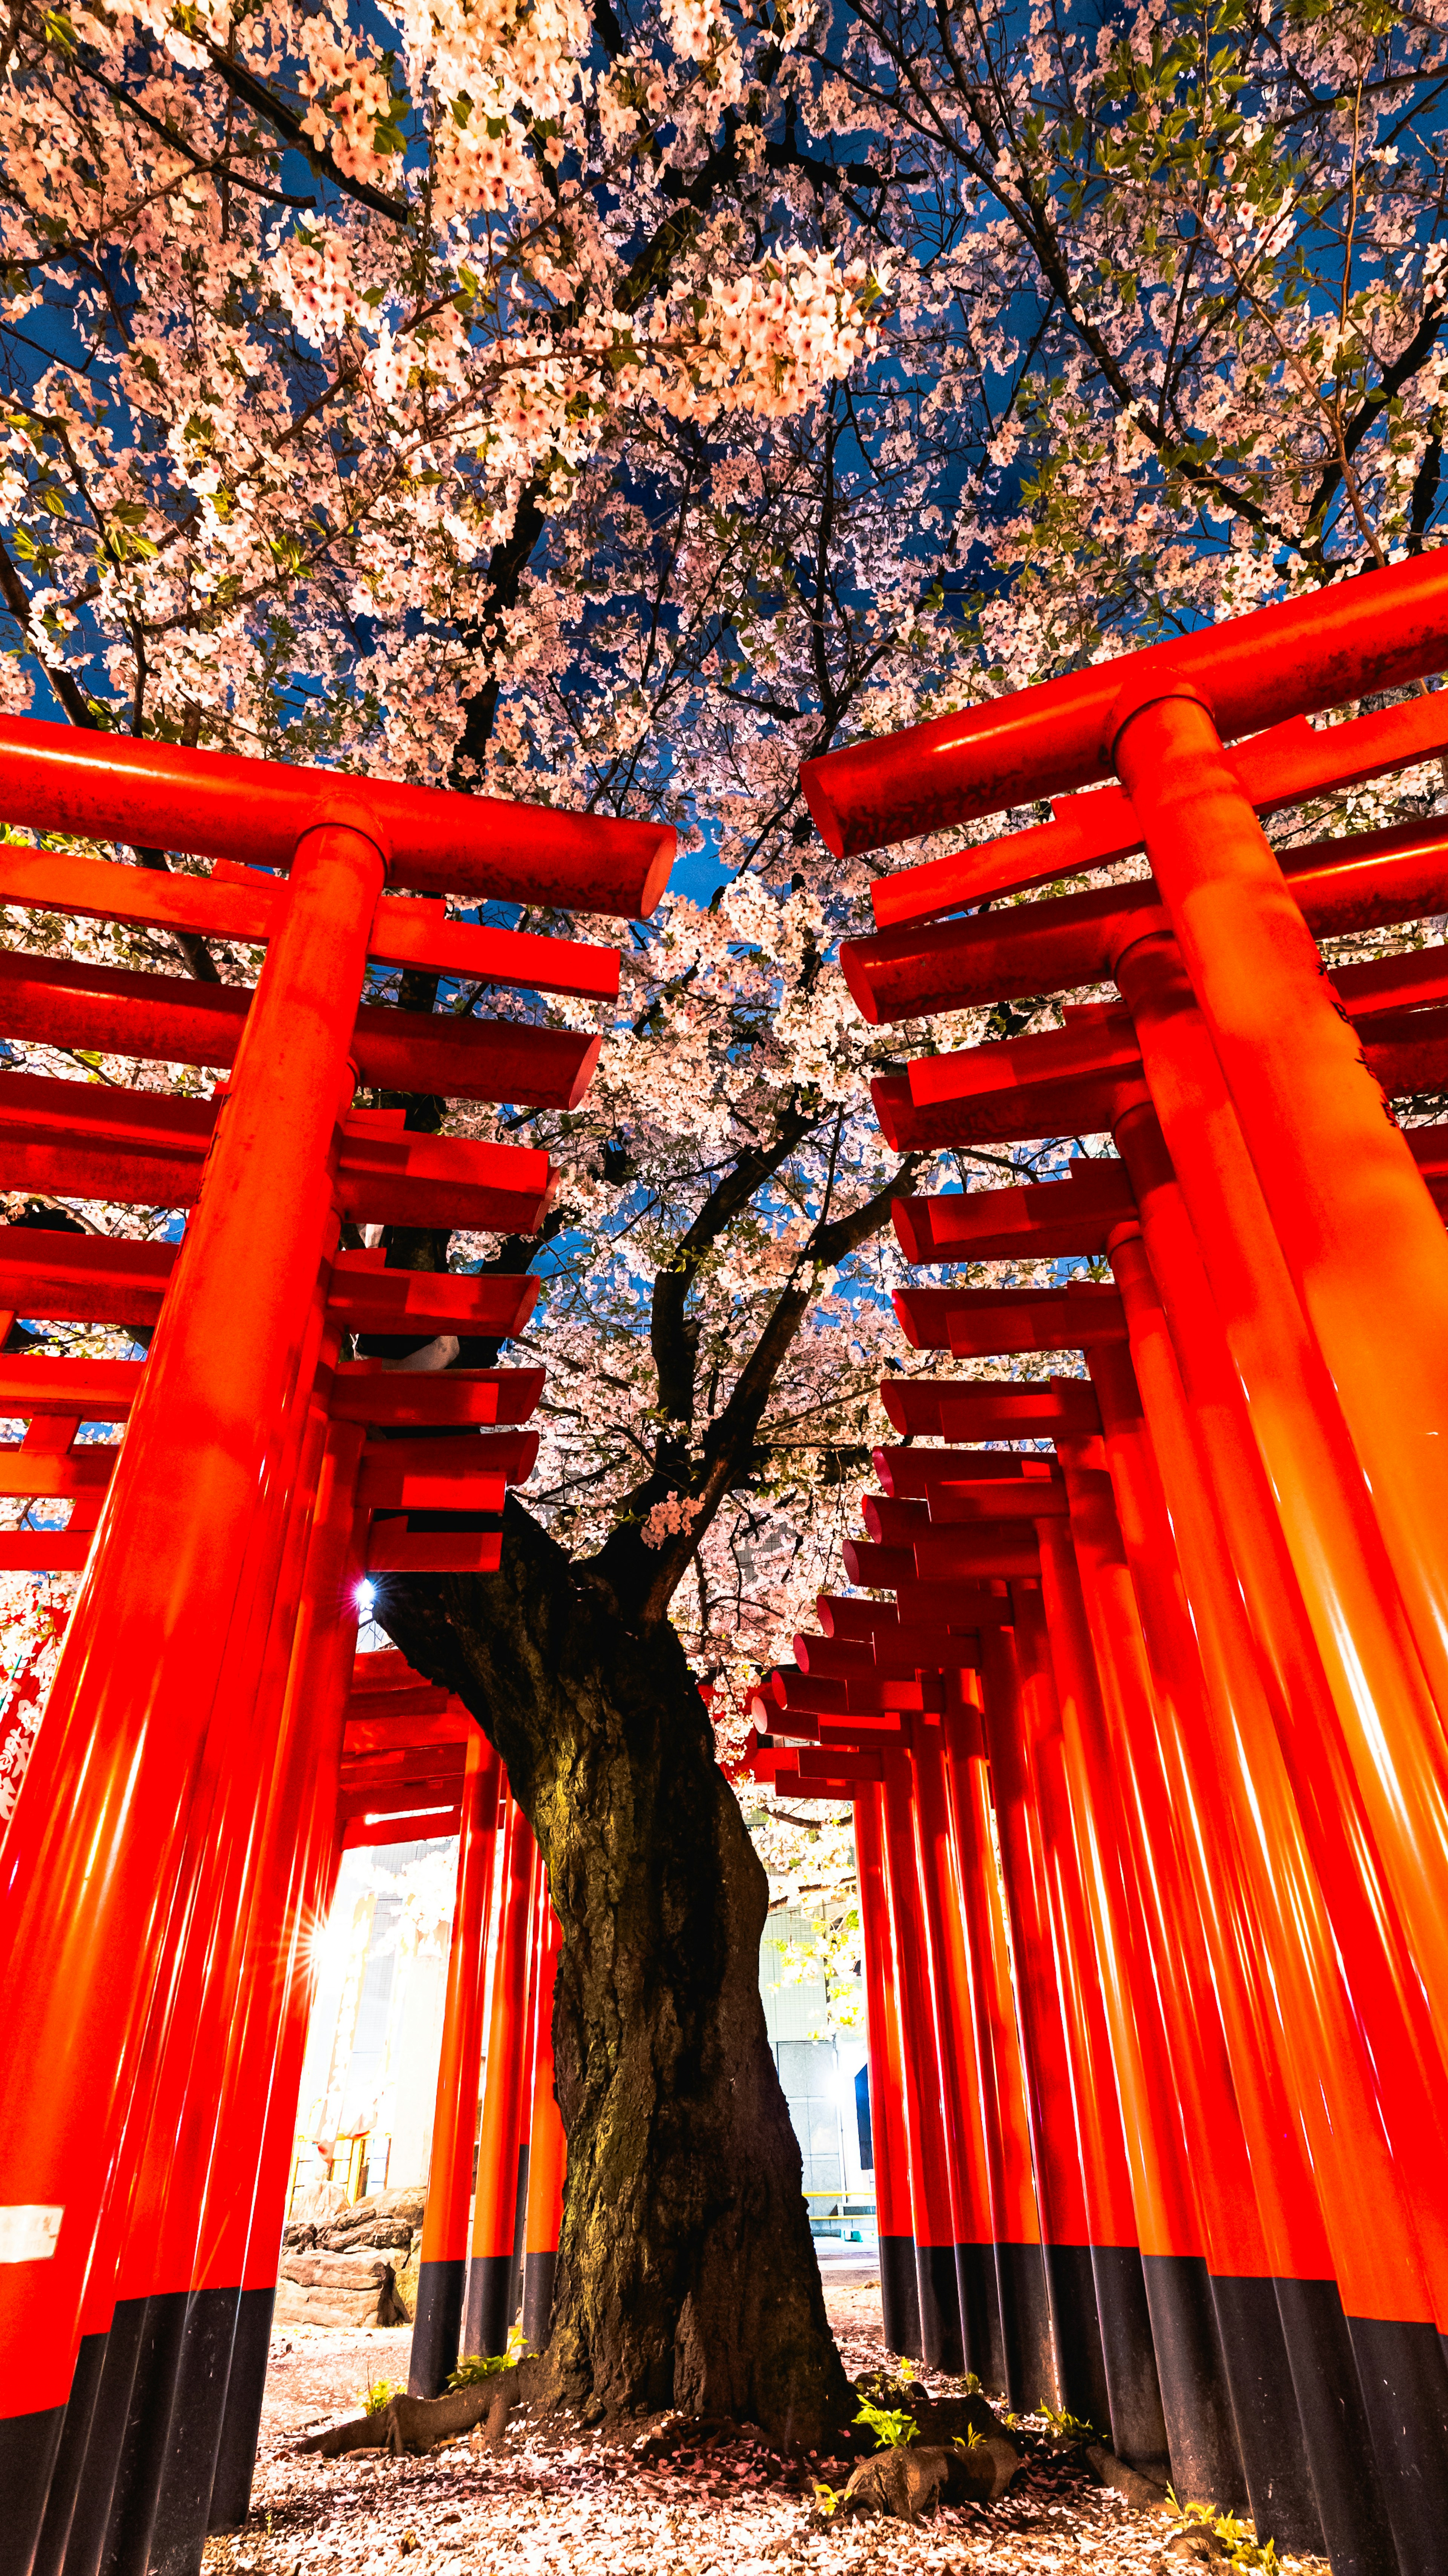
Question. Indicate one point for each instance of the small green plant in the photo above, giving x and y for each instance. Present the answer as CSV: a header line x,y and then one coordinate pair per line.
x,y
486,2365
1243,2548
380,2393
1069,2427
972,2439
972,2383
475,2366
905,2371
890,2425
827,2499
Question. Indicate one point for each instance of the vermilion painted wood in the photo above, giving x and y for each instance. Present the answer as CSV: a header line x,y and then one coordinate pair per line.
x,y
92,1390
167,2125
1070,1080
391,1468
1164,2210
425,1717
1028,2358
1272,769
403,1767
1361,1238
88,1141
1387,2291
1342,2104
318,1686
437,2321
831,1658
302,1026
157,796
877,1569
1348,1583
105,1390
412,1399
1261,2216
1133,2395
992,1113
393,1548
460,1480
406,1808
1040,1222
918,1474
894,2218
547,2153
841,1792
104,1279
24,1470
929,1316
1386,629
370,1832
1413,981
959,2006
1384,1994
1177,1785
536,1936
925,1649
830,1763
892,1655
97,1873
963,1502
1001,2276
485,2314
951,1409
866,1694
164,1020
1168,2223
383,1668
242,904
1360,882
1047,2105
932,2186
455,1483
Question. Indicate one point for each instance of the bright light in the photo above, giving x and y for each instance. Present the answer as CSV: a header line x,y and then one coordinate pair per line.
x,y
406,1815
326,1942
366,1599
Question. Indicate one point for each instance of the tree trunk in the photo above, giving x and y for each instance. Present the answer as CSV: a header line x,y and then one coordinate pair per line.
x,y
686,2271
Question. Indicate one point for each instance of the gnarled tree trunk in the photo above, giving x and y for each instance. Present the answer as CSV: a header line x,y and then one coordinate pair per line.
x,y
686,2271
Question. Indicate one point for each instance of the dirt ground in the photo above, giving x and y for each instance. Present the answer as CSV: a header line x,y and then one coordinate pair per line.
x,y
561,2501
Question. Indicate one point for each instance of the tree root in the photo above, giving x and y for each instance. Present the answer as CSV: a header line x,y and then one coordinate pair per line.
x,y
415,2424
908,2479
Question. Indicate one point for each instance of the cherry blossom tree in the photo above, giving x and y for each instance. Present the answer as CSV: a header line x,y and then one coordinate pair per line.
x,y
618,407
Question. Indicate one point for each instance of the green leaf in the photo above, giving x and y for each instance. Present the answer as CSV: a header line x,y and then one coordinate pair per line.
x,y
890,2425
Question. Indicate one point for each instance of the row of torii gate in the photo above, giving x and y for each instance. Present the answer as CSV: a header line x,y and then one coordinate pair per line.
x,y
1139,1696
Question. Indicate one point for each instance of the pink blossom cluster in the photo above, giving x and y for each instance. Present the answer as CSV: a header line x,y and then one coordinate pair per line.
x,y
674,1516
33,1617
313,274
479,171
351,98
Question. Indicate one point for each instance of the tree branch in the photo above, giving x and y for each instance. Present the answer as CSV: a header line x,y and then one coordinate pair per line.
x,y
286,122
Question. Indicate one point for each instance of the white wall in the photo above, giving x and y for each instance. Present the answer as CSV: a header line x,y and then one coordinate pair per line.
x,y
817,2065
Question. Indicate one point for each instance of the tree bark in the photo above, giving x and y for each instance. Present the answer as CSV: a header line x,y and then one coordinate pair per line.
x,y
686,2271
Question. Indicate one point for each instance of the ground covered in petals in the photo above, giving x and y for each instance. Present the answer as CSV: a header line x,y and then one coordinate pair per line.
x,y
556,2497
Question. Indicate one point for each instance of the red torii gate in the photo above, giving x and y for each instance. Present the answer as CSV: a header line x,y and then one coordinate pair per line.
x,y
176,1834
1231,1584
